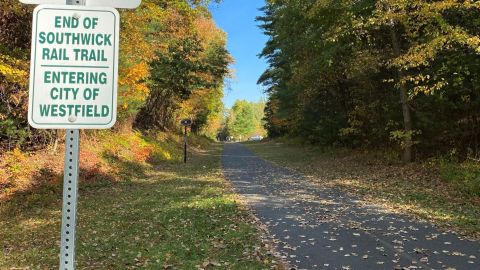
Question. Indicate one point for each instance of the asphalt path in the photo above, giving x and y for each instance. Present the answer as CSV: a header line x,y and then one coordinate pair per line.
x,y
315,227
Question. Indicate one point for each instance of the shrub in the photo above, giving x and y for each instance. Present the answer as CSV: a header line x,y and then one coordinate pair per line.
x,y
466,175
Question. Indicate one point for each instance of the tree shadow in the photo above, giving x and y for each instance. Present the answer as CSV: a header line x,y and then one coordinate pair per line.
x,y
125,169
157,217
45,186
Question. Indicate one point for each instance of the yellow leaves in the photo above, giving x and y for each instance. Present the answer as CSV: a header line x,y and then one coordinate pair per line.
x,y
142,88
422,54
429,35
453,4
416,79
14,82
443,5
133,79
138,48
474,43
135,46
16,168
208,32
149,30
15,71
17,155
423,84
425,20
429,89
134,74
156,30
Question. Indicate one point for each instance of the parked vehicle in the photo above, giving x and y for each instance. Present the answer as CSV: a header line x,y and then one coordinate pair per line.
x,y
256,138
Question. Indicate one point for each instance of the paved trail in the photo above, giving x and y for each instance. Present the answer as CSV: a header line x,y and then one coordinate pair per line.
x,y
323,228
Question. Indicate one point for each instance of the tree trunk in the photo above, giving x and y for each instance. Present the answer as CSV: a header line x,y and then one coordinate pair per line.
x,y
407,118
55,142
157,112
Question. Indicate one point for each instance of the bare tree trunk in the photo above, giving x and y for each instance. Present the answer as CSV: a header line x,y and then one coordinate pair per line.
x,y
55,142
407,118
156,114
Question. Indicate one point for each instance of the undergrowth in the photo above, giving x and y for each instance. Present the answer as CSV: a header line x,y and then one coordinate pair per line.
x,y
105,156
140,207
465,175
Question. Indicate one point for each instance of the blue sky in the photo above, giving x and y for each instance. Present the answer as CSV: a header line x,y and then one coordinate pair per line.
x,y
245,42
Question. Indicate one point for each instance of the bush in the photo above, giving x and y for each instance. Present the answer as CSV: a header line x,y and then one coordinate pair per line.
x,y
466,175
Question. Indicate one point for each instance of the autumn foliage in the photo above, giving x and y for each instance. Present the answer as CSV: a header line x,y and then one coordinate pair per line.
x,y
154,38
383,73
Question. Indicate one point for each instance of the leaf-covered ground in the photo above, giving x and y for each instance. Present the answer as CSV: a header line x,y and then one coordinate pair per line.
x,y
318,226
414,189
153,215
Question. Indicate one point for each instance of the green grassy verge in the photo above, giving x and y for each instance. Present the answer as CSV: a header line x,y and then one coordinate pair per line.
x,y
159,214
417,189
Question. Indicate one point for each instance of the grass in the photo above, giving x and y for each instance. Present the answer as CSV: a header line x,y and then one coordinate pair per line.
x,y
465,176
415,189
151,214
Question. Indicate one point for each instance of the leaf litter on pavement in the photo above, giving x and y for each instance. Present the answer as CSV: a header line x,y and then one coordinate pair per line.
x,y
296,209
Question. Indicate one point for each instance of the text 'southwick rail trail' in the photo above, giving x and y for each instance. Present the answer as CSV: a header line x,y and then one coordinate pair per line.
x,y
74,67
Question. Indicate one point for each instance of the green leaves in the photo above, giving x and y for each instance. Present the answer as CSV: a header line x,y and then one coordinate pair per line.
x,y
187,72
336,69
245,119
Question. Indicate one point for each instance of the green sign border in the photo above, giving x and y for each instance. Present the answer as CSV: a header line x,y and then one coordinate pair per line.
x,y
35,65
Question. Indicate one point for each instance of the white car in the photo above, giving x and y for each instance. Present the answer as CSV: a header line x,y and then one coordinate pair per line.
x,y
256,138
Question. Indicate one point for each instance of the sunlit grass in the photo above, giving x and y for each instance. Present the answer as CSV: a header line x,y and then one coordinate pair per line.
x,y
156,214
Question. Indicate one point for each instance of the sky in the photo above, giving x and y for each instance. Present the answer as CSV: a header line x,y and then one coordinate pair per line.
x,y
245,42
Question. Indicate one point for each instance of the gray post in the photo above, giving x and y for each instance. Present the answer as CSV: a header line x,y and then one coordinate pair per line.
x,y
70,191
185,141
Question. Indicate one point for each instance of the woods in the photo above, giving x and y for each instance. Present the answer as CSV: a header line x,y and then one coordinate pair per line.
x,y
396,74
365,155
243,120
173,62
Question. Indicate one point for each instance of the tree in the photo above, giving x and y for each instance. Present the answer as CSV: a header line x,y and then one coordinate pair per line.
x,y
187,74
241,121
15,35
374,73
173,61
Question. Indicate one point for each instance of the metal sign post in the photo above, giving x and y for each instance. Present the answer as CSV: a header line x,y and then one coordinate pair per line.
x,y
62,96
185,123
70,191
185,147
73,85
70,195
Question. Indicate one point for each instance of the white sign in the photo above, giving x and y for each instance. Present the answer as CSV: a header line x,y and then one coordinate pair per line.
x,y
96,3
74,67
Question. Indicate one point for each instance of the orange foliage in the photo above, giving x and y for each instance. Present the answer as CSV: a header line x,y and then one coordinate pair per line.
x,y
134,78
21,171
208,31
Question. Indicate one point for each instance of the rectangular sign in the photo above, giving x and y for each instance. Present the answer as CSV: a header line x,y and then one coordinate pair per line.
x,y
74,67
96,3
